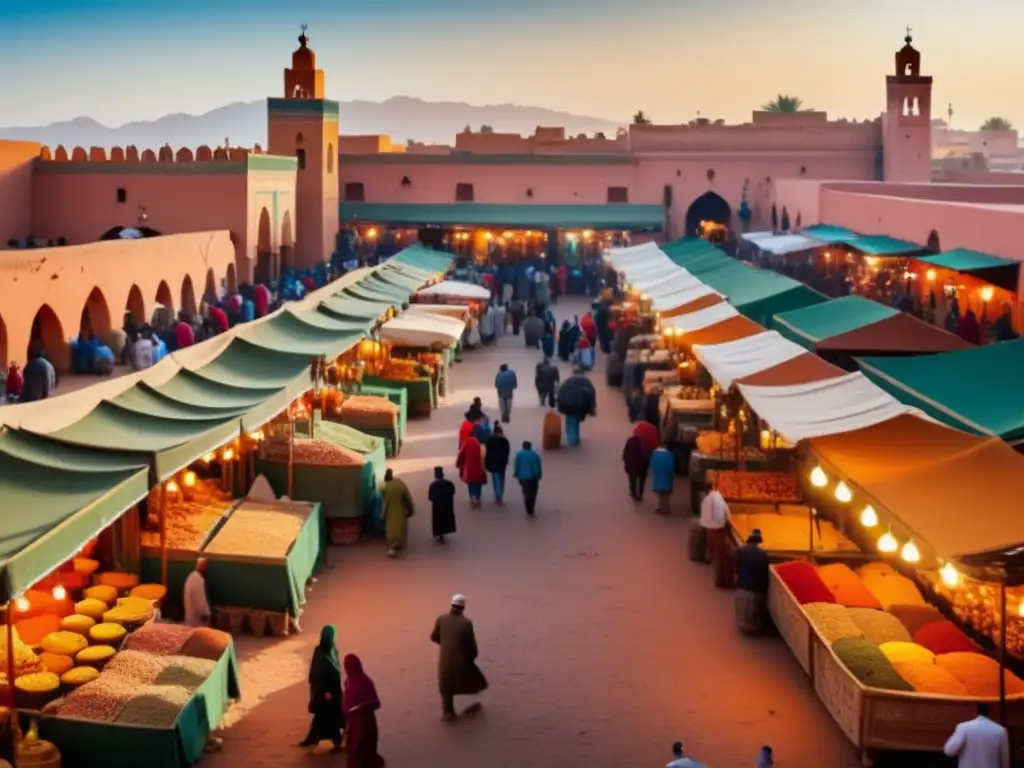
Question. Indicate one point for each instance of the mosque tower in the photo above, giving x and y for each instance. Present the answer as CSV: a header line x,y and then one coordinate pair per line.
x,y
907,123
304,125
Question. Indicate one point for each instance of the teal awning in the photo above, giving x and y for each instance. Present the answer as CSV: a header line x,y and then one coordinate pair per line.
x,y
1004,273
882,245
828,233
974,390
610,216
812,324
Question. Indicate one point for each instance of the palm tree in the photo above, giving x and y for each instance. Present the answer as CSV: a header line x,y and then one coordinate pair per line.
x,y
785,104
997,124
641,118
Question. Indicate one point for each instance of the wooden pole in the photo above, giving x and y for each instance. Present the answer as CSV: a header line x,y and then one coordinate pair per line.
x,y
163,534
291,458
1002,652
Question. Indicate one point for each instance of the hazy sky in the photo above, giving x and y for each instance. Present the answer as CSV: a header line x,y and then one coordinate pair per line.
x,y
118,61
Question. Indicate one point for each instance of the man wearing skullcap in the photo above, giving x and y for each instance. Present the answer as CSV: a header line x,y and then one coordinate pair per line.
x,y
457,672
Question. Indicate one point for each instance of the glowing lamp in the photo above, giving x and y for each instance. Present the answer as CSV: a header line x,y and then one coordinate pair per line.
x,y
172,487
818,477
228,454
209,458
59,593
930,274
766,439
986,293
1020,610
22,604
488,236
843,493
950,576
189,479
256,435
371,233
869,518
887,543
911,553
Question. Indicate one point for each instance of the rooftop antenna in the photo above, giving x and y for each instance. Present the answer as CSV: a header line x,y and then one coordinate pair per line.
x,y
909,38
949,116
303,39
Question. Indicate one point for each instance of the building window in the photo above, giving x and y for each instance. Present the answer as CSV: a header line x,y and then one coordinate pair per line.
x,y
464,193
122,195
618,195
301,155
355,192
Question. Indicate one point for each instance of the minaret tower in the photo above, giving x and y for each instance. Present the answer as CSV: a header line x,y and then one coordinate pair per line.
x,y
304,125
908,119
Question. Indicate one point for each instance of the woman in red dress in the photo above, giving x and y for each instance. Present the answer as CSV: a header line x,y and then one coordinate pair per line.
x,y
360,703
470,463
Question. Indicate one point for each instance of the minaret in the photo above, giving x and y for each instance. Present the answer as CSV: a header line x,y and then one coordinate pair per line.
x,y
304,125
907,124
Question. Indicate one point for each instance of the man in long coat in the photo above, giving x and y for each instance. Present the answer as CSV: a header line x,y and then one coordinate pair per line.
x,y
398,508
457,672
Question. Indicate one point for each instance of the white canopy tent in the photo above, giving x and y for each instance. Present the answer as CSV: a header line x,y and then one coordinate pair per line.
x,y
702,318
683,296
753,237
744,357
620,257
460,311
422,330
820,408
680,281
456,289
780,245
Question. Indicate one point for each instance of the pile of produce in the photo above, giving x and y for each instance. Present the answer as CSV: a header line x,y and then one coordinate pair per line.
x,y
404,370
758,486
260,529
846,586
160,639
804,582
868,664
979,674
832,621
191,515
311,450
789,532
725,445
369,412
888,586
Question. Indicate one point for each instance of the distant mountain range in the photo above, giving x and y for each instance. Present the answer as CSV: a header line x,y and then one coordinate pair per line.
x,y
245,124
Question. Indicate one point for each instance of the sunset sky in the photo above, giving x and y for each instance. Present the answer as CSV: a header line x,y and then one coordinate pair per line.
x,y
118,61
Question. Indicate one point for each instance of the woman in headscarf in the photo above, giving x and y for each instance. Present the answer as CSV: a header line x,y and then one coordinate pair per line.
x,y
648,435
635,460
589,327
325,693
470,463
398,508
359,705
565,345
442,505
547,344
968,329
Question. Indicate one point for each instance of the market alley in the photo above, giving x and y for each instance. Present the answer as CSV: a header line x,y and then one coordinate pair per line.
x,y
602,642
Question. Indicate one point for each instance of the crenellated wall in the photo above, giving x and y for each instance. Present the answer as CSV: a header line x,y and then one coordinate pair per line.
x,y
103,280
16,159
132,154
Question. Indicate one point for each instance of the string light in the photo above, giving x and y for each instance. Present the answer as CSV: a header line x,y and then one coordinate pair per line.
x,y
911,553
843,493
887,543
59,593
210,457
189,479
818,477
869,518
950,576
172,487
22,604
228,454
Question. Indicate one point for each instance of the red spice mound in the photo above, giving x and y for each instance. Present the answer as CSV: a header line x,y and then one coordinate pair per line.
x,y
914,617
944,637
805,583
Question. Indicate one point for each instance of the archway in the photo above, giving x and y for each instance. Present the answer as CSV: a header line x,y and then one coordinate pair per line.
x,y
286,243
129,233
95,319
163,317
210,291
264,254
232,280
708,207
933,242
48,335
136,306
188,297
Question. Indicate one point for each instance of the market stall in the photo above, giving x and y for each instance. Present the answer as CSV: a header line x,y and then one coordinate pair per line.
x,y
452,292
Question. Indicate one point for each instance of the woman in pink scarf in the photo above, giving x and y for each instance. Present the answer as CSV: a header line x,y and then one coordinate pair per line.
x,y
359,702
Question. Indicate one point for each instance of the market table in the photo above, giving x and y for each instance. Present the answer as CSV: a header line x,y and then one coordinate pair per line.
x,y
422,395
88,743
399,397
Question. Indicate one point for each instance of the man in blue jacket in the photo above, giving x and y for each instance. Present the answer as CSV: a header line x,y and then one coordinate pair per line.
x,y
505,382
528,471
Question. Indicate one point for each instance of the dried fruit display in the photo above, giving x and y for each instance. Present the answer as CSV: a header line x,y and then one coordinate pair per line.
x,y
976,604
723,444
260,529
758,486
159,639
308,450
135,667
788,532
369,411
190,520
156,706
102,699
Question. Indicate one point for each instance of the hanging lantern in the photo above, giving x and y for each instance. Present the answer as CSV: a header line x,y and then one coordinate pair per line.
x,y
22,604
950,575
869,518
843,493
887,543
172,486
59,593
911,553
189,479
228,454
210,457
818,477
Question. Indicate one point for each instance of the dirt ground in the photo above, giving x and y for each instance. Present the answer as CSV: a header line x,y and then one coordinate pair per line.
x,y
602,642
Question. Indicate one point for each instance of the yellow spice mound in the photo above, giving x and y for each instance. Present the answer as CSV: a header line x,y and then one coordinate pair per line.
x,y
979,674
119,581
785,532
889,587
25,660
927,677
898,650
77,622
846,586
150,591
102,592
95,654
111,634
79,675
38,682
66,643
91,607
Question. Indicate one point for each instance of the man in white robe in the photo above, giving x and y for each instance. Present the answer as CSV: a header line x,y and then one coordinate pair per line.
x,y
197,606
980,743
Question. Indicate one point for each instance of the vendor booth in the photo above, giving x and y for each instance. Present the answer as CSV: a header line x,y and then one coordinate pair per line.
x,y
453,291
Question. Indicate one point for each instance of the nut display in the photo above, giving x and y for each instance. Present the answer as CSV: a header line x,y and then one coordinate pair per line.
x,y
976,604
136,667
159,639
757,486
260,529
189,521
100,699
307,450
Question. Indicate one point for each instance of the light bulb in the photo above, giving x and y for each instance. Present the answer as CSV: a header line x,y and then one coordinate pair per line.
x,y
59,593
887,543
910,552
869,518
22,604
189,479
1020,609
843,493
818,477
210,457
950,575
172,487
228,454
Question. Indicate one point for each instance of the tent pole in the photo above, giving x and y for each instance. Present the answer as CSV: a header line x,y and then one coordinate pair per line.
x,y
291,458
163,534
10,672
1002,652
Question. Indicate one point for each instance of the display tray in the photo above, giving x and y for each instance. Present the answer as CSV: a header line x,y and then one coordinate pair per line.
x,y
872,718
270,583
91,744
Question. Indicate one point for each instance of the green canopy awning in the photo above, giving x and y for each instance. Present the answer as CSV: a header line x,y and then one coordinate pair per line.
x,y
985,402
609,216
289,331
50,509
882,245
368,293
189,388
425,260
996,270
821,321
143,398
244,365
343,306
828,233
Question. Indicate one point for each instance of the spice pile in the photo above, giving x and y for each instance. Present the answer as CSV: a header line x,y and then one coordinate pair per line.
x,y
308,450
369,412
724,445
260,529
191,515
758,486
